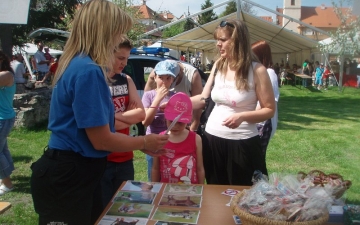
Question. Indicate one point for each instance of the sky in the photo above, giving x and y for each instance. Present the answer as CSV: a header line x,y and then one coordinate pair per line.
x,y
179,7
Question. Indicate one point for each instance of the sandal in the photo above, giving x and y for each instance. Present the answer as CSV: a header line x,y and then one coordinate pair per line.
x,y
4,189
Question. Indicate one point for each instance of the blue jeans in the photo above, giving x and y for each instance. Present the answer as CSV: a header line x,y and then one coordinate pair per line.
x,y
149,160
6,162
114,175
318,80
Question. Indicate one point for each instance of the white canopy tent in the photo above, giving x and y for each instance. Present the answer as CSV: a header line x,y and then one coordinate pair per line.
x,y
284,43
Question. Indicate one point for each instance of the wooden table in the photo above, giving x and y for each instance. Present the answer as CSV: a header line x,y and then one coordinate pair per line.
x,y
302,77
213,209
4,206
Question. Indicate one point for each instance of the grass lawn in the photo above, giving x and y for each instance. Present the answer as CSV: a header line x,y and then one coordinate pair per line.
x,y
316,130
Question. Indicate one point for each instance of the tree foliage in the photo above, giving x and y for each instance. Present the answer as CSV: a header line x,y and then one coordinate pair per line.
x,y
45,13
231,8
189,24
208,16
346,38
173,30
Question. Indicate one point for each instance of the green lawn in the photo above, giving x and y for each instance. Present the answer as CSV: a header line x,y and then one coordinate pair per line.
x,y
316,130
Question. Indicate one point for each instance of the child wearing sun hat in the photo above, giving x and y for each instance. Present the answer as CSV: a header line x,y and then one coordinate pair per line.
x,y
153,100
183,162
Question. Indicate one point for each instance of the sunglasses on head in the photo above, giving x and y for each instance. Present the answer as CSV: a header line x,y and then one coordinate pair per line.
x,y
225,23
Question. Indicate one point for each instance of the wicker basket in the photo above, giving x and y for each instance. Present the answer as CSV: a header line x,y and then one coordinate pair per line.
x,y
249,219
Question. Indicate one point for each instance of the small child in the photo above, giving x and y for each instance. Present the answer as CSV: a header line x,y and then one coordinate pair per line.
x,y
165,74
183,162
283,77
325,76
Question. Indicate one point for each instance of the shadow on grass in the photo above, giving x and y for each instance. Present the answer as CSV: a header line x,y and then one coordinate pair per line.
x,y
355,202
24,159
22,184
303,110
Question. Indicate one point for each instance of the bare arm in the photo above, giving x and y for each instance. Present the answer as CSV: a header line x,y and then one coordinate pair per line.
x,y
150,84
150,112
196,89
197,100
199,161
49,73
155,170
6,79
135,114
103,139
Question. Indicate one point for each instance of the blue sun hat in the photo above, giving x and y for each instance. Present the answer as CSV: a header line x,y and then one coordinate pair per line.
x,y
167,67
177,104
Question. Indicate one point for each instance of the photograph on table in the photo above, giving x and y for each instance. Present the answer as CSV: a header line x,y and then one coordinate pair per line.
x,y
130,210
192,201
132,185
170,223
176,215
183,189
143,197
120,220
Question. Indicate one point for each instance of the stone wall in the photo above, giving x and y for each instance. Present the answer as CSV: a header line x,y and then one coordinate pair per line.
x,y
32,108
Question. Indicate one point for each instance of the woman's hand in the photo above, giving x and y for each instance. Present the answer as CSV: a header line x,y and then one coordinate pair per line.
x,y
154,143
233,121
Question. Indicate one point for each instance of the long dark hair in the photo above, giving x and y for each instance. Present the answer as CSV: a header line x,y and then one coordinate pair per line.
x,y
5,62
263,51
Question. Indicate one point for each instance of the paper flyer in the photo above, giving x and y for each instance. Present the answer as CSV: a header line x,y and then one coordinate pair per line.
x,y
132,185
130,210
183,189
143,197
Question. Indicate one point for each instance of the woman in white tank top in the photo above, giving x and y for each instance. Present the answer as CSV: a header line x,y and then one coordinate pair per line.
x,y
231,144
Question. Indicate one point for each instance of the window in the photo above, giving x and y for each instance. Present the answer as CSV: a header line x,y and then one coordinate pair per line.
x,y
292,2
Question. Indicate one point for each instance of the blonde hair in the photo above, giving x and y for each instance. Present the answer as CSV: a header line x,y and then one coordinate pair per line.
x,y
97,30
241,54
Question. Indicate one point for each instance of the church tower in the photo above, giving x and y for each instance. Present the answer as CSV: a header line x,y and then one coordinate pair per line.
x,y
292,8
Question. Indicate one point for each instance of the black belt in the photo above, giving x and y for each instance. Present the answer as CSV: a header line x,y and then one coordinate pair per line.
x,y
54,153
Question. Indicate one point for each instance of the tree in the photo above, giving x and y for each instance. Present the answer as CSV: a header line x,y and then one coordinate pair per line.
x,y
231,8
208,16
42,13
173,30
189,24
346,39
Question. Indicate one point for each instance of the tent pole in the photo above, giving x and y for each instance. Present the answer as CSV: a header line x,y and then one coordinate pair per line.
x,y
341,72
238,9
332,71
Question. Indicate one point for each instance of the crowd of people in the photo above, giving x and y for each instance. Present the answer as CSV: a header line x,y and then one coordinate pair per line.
x,y
90,153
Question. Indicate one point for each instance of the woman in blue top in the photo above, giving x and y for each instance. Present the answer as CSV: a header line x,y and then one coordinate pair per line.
x,y
65,179
7,119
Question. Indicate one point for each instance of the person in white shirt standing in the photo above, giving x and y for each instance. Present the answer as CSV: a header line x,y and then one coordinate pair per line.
x,y
268,127
19,70
41,62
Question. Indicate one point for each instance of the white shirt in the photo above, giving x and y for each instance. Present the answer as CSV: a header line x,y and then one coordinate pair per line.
x,y
19,71
39,56
275,85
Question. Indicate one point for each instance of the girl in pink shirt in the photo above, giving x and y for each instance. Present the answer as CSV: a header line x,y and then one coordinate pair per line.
x,y
183,162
